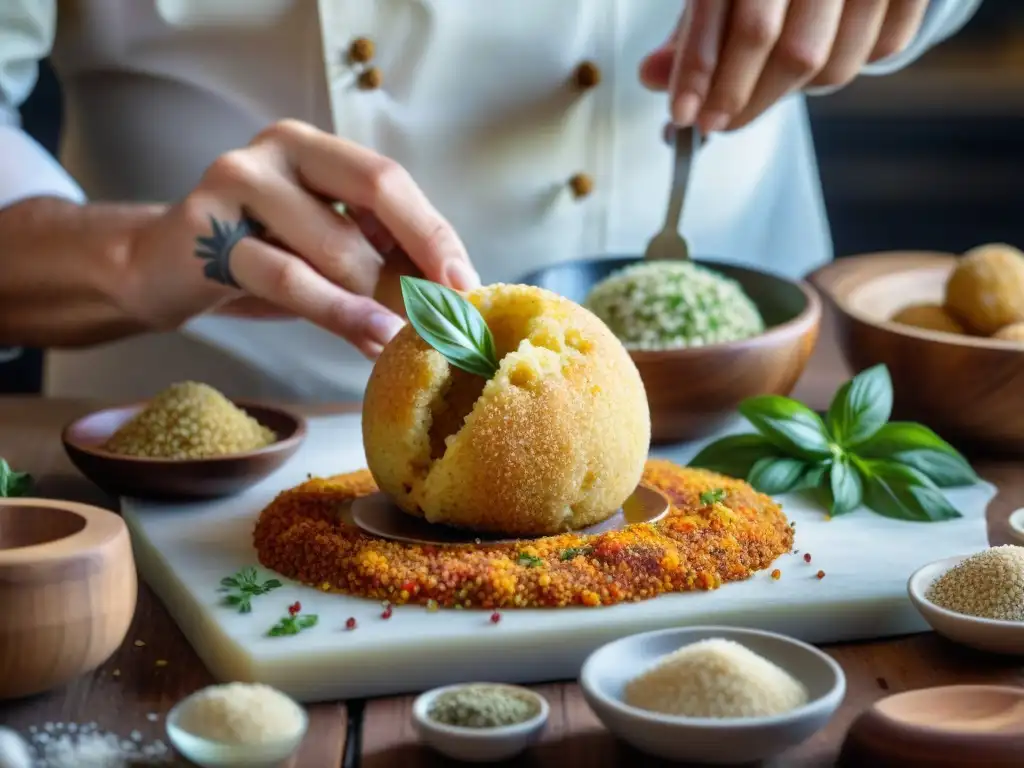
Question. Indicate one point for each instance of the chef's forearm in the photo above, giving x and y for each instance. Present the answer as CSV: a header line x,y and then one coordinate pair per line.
x,y
66,273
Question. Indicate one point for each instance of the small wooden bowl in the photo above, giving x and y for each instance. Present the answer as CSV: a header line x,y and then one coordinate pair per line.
x,y
954,726
969,389
694,392
68,590
168,479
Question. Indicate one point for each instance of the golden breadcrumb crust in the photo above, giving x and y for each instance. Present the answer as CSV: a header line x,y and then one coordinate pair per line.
x,y
303,535
555,441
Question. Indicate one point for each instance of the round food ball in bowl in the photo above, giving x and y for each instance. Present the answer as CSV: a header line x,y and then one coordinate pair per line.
x,y
933,317
986,288
555,440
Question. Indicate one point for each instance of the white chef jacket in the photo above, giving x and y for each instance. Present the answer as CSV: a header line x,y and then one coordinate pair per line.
x,y
475,101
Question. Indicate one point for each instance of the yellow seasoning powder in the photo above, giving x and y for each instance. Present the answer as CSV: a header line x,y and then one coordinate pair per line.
x,y
989,585
715,678
241,713
189,421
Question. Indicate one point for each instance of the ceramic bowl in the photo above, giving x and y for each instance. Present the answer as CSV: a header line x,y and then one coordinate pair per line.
x,y
709,740
1016,522
966,388
68,590
694,392
215,754
479,745
178,478
951,726
990,635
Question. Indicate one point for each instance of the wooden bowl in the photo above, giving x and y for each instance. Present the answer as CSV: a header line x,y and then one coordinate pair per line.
x,y
178,478
969,389
694,392
68,590
953,726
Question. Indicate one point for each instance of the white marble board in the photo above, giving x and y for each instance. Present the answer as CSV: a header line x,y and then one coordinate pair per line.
x,y
184,550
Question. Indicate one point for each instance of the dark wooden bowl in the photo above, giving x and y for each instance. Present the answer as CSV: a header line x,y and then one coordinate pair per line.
x,y
168,479
969,389
694,392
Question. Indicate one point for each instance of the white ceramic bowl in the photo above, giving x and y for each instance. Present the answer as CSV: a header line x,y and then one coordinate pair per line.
x,y
478,745
1017,525
982,634
215,754
710,740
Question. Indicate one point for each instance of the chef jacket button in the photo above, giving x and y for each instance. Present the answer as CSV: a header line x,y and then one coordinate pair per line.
x,y
370,79
361,50
581,185
587,75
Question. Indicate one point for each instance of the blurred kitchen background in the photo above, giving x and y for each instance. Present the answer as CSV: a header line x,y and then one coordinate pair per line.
x,y
929,158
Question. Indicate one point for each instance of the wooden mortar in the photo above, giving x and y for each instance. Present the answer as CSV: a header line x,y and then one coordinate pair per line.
x,y
67,588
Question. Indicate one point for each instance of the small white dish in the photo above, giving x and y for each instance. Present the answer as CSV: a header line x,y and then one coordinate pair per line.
x,y
215,754
710,740
991,635
1017,525
479,745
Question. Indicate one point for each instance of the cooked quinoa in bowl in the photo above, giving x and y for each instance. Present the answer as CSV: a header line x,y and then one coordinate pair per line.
x,y
672,305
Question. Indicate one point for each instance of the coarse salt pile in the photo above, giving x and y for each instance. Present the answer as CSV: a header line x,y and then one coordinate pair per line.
x,y
716,678
189,421
70,745
989,585
241,713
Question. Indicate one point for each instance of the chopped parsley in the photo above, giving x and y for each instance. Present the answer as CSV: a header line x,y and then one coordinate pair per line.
x,y
714,496
574,552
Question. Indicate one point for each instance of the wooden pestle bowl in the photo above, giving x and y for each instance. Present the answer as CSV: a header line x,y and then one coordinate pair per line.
x,y
67,590
967,388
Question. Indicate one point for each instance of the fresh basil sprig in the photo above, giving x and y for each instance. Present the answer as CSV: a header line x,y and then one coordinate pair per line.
x,y
13,483
855,457
451,325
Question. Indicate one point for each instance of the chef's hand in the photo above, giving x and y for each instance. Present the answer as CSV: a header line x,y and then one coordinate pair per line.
x,y
736,58
301,256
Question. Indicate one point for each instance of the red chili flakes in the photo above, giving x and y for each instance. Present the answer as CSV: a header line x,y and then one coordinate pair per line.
x,y
776,574
807,557
821,574
495,617
294,608
387,613
350,623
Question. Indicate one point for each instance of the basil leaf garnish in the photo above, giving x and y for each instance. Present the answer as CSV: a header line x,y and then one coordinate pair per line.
x,y
13,483
861,407
903,493
919,447
451,325
735,455
774,476
847,491
789,425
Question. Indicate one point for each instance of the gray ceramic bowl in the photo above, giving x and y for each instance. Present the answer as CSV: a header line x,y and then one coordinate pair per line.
x,y
709,740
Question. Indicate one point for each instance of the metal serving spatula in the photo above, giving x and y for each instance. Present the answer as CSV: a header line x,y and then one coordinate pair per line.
x,y
669,244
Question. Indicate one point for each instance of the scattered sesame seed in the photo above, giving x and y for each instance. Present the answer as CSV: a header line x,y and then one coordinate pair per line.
x,y
161,662
988,585
140,644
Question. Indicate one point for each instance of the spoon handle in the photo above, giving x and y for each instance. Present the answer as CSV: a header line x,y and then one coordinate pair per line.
x,y
686,142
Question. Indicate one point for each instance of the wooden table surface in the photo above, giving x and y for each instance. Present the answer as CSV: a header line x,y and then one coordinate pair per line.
x,y
130,690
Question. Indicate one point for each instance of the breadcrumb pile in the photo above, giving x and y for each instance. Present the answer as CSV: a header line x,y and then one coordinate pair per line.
x,y
696,546
989,585
189,421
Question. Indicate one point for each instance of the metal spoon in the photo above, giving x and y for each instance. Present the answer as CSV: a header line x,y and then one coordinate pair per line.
x,y
669,244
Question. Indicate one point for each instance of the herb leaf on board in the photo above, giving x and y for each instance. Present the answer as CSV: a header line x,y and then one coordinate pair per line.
x,y
244,586
917,446
774,476
451,325
861,407
901,492
13,483
847,490
735,455
791,426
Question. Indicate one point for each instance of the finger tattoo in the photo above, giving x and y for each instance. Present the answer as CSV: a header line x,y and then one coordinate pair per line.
x,y
215,249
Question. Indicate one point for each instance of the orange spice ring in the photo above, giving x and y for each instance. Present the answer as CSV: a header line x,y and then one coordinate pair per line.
x,y
697,546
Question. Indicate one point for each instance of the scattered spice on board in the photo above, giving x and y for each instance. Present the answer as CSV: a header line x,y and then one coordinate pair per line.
x,y
989,585
776,574
807,557
244,586
74,745
495,617
301,536
821,575
241,713
350,623
189,421
715,678
482,706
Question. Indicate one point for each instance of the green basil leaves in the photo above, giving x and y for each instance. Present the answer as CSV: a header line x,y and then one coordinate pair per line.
x,y
13,483
451,325
855,457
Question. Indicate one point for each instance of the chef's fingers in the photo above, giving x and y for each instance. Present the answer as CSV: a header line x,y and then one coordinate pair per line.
x,y
252,307
261,179
378,235
269,273
753,28
902,22
656,68
802,50
858,33
696,59
343,170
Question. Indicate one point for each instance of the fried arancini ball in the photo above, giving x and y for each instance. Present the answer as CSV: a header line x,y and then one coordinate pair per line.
x,y
986,289
556,441
1011,332
933,317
